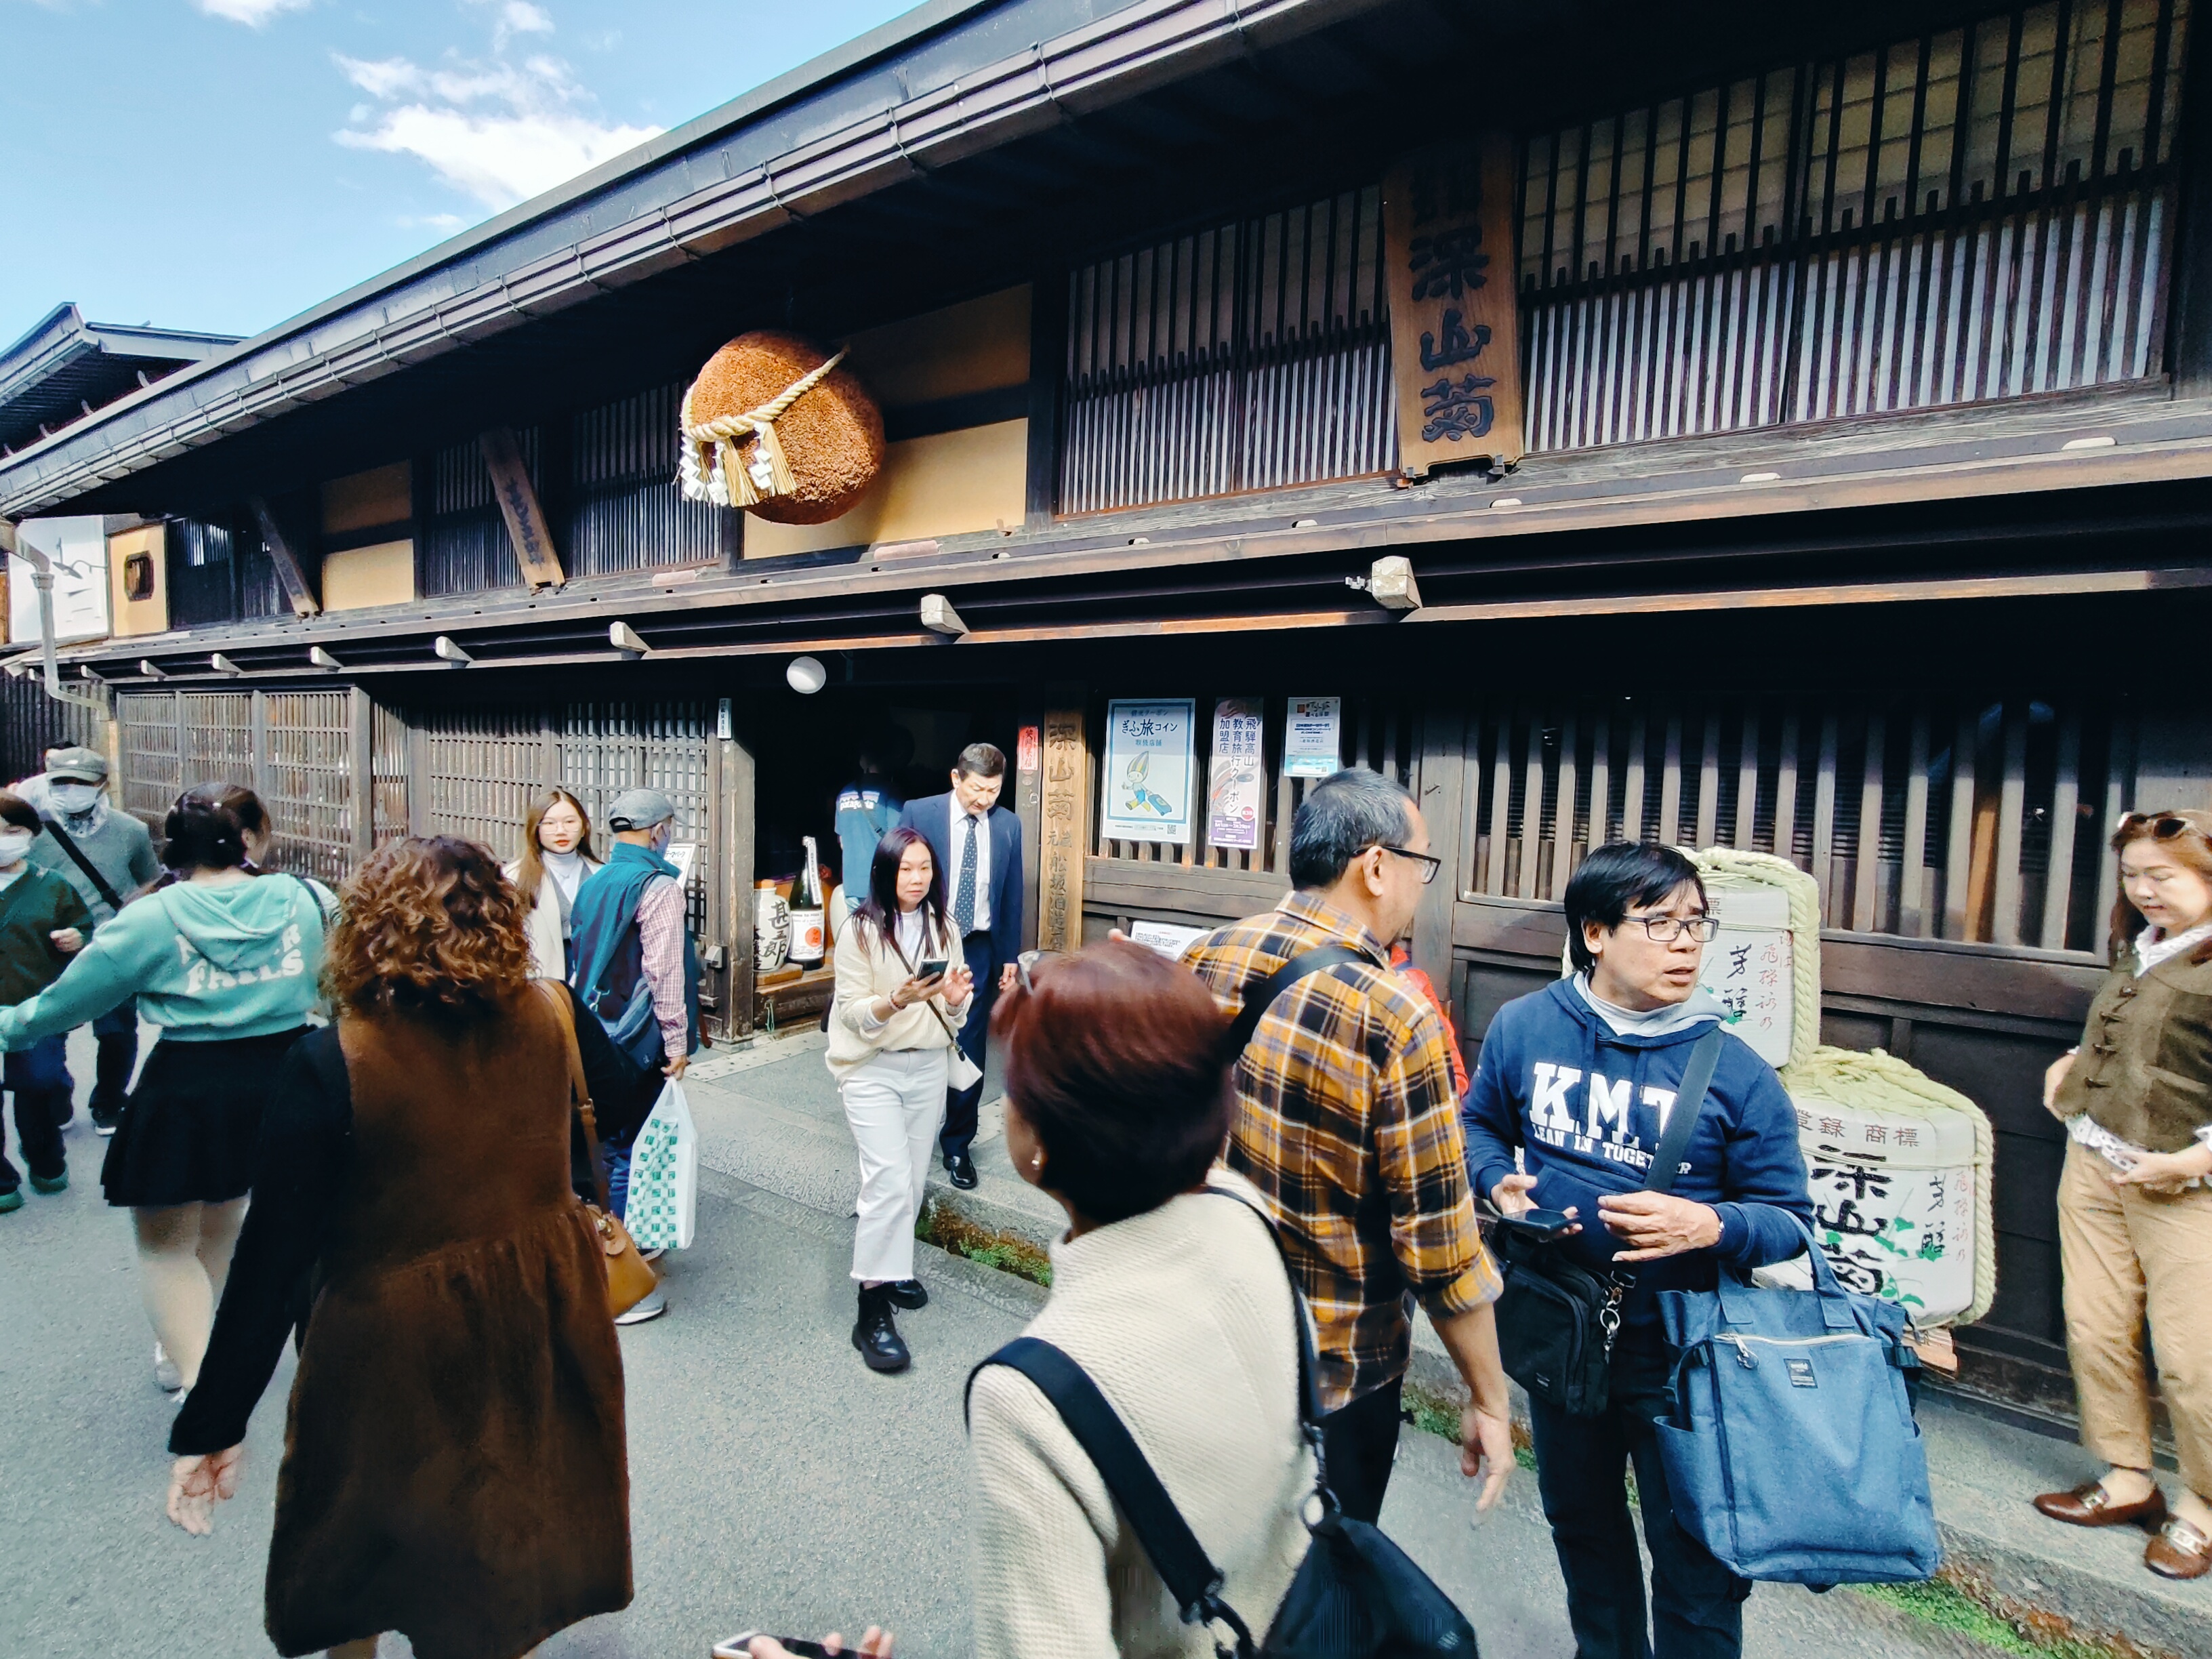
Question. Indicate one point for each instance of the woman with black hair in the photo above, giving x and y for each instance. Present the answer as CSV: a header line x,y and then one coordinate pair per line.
x,y
225,966
904,990
1574,1088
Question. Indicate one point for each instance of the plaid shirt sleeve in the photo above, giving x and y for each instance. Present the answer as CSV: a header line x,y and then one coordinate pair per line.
x,y
1422,1156
661,940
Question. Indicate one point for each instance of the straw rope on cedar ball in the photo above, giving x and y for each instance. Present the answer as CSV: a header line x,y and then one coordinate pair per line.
x,y
833,436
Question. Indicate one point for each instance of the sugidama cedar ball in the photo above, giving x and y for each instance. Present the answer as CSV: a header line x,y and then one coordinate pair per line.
x,y
833,436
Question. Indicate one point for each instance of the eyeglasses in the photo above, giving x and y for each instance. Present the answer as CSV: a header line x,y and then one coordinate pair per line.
x,y
1023,962
1665,930
2163,826
1428,862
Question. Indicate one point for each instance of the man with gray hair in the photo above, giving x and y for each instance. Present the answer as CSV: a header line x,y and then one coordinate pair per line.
x,y
1346,1122
636,967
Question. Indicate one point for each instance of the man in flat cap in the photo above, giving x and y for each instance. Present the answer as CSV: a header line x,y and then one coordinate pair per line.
x,y
636,967
107,856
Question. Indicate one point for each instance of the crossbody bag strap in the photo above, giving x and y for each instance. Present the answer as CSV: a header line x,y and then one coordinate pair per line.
x,y
1674,1139
1259,997
891,937
67,842
580,1090
1169,1543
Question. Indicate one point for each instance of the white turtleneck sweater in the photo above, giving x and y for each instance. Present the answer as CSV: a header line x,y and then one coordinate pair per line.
x,y
1182,1317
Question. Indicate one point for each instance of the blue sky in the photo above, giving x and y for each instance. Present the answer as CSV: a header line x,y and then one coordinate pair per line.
x,y
224,164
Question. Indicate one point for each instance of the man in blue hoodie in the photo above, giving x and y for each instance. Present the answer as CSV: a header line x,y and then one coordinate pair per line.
x,y
1579,1080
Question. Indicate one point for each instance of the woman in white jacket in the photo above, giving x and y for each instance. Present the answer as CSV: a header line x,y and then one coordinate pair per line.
x,y
903,988
557,856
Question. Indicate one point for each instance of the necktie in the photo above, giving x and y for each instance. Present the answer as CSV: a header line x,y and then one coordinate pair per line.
x,y
963,897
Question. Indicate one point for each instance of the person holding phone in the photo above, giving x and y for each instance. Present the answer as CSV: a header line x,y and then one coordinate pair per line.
x,y
903,991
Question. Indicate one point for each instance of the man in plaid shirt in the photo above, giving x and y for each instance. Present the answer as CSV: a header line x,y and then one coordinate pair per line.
x,y
1347,1121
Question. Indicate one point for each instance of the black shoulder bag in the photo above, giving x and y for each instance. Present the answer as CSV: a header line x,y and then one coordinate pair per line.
x,y
67,842
1355,1595
1557,1319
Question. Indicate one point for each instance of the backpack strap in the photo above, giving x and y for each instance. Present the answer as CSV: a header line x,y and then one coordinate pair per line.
x,y
1169,1543
1260,997
1674,1139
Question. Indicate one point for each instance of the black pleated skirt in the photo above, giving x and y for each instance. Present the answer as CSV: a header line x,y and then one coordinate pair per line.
x,y
190,1131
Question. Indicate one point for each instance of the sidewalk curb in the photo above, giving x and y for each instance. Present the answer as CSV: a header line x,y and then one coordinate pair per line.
x,y
2039,1591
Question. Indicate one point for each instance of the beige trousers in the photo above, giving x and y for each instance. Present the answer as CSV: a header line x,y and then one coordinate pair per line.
x,y
2128,1254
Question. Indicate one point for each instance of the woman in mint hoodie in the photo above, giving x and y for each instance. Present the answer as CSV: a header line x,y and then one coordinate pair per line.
x,y
225,963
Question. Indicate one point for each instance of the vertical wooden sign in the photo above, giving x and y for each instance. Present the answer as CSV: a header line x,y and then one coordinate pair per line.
x,y
1059,862
518,504
1454,317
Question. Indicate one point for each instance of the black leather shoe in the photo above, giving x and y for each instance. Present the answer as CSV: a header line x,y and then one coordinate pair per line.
x,y
876,1336
907,1293
961,1169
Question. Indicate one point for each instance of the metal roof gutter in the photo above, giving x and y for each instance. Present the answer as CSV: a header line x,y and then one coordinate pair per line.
x,y
768,173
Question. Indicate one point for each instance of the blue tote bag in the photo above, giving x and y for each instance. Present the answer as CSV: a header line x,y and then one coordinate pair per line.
x,y
1791,1453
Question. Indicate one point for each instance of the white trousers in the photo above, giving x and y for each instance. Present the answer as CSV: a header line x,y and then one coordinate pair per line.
x,y
895,1102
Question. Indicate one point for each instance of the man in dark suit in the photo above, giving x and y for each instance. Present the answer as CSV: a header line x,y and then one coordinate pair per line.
x,y
977,844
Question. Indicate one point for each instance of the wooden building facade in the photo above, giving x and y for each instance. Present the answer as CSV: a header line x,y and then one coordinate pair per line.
x,y
1800,445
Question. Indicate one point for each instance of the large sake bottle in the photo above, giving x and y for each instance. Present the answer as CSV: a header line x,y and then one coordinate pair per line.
x,y
809,910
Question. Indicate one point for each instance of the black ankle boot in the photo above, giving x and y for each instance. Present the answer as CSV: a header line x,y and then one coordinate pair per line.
x,y
876,1335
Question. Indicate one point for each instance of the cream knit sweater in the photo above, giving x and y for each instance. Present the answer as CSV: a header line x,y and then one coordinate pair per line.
x,y
1182,1317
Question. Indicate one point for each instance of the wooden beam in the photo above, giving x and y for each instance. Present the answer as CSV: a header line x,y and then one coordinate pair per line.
x,y
290,571
526,528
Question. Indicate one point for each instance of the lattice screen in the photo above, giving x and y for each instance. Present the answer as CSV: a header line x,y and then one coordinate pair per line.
x,y
1977,819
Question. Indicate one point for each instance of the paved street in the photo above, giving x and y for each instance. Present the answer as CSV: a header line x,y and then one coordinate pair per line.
x,y
775,1481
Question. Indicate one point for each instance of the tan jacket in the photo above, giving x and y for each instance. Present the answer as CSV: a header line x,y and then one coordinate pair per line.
x,y
2145,1068
866,970
547,955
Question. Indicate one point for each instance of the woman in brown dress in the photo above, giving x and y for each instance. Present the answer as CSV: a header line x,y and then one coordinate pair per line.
x,y
454,1462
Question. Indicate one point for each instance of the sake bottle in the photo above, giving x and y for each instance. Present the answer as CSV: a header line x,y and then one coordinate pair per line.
x,y
809,910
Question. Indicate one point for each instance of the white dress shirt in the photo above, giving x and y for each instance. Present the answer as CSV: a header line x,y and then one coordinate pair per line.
x,y
957,854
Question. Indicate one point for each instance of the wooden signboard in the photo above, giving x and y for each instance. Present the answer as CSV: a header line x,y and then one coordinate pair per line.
x,y
1065,819
291,570
1454,324
518,504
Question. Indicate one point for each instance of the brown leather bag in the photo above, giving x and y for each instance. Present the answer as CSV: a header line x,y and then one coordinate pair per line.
x,y
630,1278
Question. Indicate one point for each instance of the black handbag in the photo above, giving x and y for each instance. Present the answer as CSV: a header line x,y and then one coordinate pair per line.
x,y
1557,1319
1355,1595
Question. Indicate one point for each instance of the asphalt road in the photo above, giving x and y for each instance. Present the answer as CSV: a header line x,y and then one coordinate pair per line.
x,y
776,1482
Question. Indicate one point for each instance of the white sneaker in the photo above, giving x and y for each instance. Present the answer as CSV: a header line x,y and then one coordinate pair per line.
x,y
167,1377
655,1304
653,1254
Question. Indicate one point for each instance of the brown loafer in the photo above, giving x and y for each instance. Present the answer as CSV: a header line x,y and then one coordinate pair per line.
x,y
2090,1505
2179,1551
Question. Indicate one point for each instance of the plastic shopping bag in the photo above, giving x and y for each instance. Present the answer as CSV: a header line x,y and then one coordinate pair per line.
x,y
664,1176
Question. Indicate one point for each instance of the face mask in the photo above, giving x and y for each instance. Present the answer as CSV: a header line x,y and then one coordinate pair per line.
x,y
75,798
14,845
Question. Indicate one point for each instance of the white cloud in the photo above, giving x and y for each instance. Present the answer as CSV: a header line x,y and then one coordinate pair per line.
x,y
496,130
252,13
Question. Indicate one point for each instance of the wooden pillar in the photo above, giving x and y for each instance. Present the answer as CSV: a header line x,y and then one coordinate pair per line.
x,y
1065,814
735,794
258,741
362,754
1029,801
1440,789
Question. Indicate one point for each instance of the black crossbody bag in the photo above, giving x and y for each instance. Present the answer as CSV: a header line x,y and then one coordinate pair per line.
x,y
1355,1595
1556,1319
67,842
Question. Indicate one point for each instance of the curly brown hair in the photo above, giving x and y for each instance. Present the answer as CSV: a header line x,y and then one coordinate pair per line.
x,y
428,926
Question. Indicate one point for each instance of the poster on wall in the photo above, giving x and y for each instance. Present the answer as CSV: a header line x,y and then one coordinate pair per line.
x,y
1312,738
1234,782
1147,778
77,548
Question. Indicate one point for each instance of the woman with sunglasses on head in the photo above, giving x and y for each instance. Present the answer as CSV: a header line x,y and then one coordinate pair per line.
x,y
904,989
225,965
557,856
2135,1210
1574,1088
